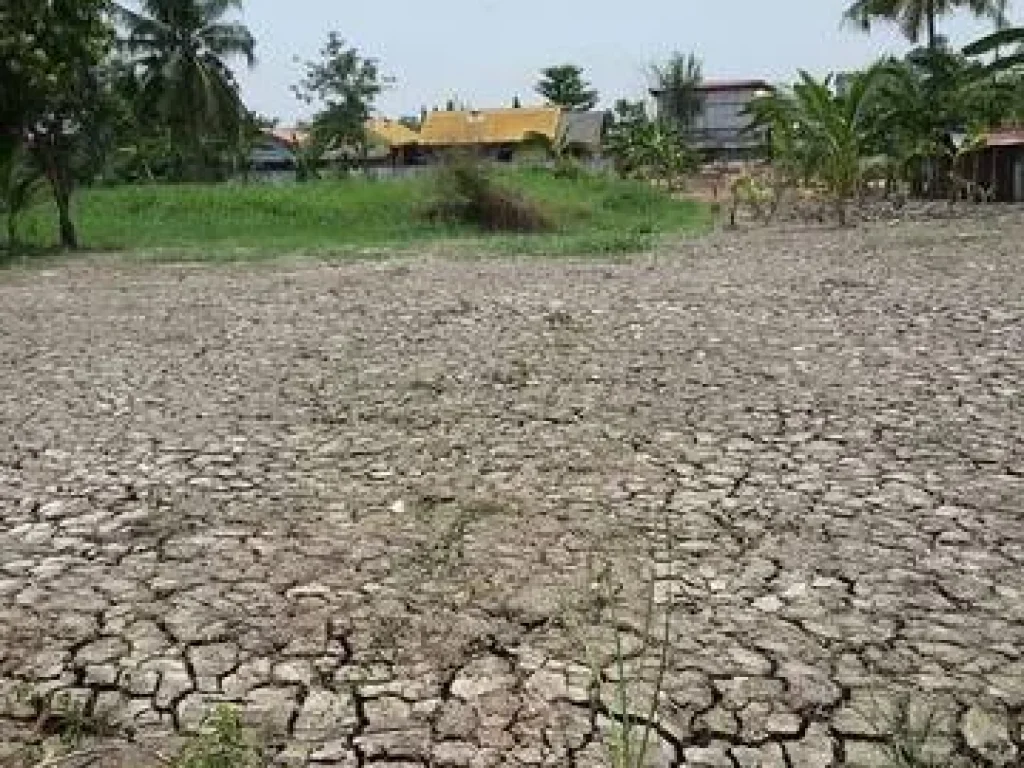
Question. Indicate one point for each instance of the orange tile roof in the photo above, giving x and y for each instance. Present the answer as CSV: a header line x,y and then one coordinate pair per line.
x,y
489,126
391,132
1007,137
291,136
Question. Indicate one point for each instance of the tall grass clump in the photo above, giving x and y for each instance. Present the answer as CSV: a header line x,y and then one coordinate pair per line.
x,y
465,193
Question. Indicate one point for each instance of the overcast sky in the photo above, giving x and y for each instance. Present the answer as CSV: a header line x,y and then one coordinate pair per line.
x,y
485,52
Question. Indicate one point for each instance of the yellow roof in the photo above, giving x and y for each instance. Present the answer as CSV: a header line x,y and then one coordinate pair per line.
x,y
391,132
489,126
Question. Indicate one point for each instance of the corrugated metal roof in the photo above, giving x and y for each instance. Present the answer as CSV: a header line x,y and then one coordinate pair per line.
x,y
1007,138
392,133
713,86
733,85
489,126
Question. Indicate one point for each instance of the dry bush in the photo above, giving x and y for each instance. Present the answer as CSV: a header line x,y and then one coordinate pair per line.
x,y
464,193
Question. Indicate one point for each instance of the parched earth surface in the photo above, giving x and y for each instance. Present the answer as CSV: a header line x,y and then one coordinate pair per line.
x,y
407,512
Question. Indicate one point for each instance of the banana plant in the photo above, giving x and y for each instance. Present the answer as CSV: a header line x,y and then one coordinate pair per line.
x,y
821,135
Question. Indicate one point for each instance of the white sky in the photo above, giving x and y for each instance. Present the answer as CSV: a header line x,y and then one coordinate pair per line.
x,y
485,52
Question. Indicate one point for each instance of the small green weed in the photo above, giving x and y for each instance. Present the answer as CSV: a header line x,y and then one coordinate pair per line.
x,y
221,743
634,723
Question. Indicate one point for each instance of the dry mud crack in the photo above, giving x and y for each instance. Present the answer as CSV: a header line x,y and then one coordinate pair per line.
x,y
373,506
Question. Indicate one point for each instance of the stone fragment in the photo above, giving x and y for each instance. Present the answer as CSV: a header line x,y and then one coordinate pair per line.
x,y
326,715
989,736
249,675
457,720
707,757
297,672
174,682
139,682
769,604
814,750
337,753
192,712
783,724
387,713
292,756
213,660
101,674
270,710
102,650
867,754
453,754
767,756
483,676
412,745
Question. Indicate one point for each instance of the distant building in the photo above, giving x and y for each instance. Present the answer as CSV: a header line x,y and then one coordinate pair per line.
x,y
997,164
583,133
275,151
392,143
498,133
722,129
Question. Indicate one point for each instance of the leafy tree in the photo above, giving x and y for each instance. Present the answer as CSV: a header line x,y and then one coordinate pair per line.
x,y
21,185
676,82
345,84
915,17
182,49
563,86
49,90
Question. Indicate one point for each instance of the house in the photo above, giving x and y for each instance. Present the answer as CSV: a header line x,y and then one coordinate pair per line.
x,y
497,133
997,164
722,131
583,133
392,141
275,151
389,143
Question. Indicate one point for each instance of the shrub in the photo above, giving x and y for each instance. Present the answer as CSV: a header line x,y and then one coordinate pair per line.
x,y
464,193
567,167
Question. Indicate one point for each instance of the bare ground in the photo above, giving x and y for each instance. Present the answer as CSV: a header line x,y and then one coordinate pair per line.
x,y
380,508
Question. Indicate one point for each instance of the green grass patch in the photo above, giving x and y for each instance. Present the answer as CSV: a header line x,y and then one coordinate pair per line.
x,y
591,215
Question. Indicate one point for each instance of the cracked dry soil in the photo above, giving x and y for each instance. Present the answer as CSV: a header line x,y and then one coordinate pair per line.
x,y
373,505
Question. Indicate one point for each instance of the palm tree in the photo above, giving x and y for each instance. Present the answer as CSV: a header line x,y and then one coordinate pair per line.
x,y
675,83
917,16
993,43
182,48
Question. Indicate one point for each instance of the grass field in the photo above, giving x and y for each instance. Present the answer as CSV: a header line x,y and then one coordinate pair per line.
x,y
591,215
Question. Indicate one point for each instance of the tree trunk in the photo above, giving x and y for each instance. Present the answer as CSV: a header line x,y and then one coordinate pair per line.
x,y
932,36
59,175
12,231
68,235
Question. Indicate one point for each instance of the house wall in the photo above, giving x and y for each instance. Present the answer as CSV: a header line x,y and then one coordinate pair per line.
x,y
1000,169
720,130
